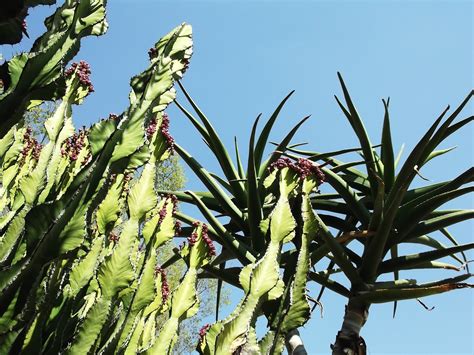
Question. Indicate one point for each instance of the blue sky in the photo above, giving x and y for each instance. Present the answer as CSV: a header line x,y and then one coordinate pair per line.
x,y
249,54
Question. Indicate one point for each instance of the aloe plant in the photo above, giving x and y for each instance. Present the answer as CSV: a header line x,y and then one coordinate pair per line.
x,y
254,195
355,211
384,213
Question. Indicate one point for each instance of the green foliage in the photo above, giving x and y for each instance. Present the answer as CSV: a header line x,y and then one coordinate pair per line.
x,y
88,218
387,213
267,224
79,274
13,19
31,79
375,207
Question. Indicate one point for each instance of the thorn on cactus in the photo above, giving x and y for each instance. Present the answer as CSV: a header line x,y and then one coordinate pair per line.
x,y
24,28
177,228
87,159
126,182
112,178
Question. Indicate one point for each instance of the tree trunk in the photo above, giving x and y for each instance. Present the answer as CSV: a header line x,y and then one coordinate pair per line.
x,y
294,343
348,340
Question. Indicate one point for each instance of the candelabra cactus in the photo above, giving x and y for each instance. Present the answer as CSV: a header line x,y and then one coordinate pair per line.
x,y
261,281
253,198
80,219
28,79
184,300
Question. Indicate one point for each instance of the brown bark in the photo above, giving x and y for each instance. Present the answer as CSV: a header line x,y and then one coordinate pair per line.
x,y
348,339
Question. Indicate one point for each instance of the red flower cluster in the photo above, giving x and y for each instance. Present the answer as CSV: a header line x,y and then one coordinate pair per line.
x,y
205,236
165,125
83,71
177,227
303,167
165,288
152,53
74,145
203,331
113,237
86,159
31,144
162,214
192,239
151,129
174,200
186,64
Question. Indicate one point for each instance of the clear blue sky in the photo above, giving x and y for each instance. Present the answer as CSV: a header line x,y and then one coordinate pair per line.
x,y
250,54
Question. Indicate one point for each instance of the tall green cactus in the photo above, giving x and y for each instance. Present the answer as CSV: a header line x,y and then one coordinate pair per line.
x,y
184,300
30,78
80,220
291,218
13,19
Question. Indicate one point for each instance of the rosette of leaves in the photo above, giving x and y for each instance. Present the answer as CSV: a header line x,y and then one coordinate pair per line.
x,y
241,196
385,212
79,271
347,212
